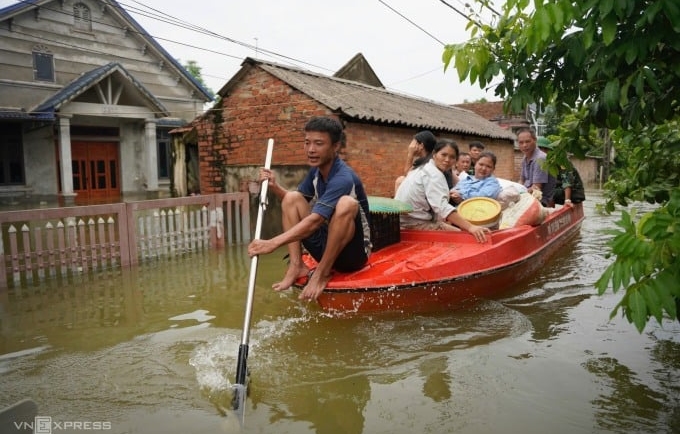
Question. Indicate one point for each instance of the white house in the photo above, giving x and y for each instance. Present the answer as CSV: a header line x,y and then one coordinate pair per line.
x,y
87,98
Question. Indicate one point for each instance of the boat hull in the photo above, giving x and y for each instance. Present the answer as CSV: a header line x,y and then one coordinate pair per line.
x,y
435,270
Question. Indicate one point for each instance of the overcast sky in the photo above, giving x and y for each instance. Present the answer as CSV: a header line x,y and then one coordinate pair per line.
x,y
318,35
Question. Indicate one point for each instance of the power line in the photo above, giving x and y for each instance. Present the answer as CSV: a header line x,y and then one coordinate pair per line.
x,y
168,19
163,17
160,16
410,21
462,14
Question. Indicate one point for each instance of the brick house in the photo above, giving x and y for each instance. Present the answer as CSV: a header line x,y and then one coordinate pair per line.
x,y
266,100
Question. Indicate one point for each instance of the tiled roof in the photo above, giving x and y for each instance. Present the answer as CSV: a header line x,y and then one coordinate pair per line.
x,y
366,103
18,7
15,114
85,81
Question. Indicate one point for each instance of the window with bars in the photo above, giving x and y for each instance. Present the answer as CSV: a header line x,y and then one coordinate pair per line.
x,y
43,64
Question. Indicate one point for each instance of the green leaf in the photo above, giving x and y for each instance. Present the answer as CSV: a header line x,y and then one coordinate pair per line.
x,y
543,23
616,276
621,244
567,10
588,36
674,202
609,24
473,74
637,308
663,291
613,120
462,64
631,53
638,269
481,58
447,55
556,16
606,6
612,93
651,80
624,92
653,302
603,282
672,12
668,302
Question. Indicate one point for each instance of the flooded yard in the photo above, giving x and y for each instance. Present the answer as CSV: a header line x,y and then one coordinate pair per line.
x,y
153,350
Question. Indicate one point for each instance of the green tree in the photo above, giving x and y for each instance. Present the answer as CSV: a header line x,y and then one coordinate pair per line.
x,y
617,64
195,70
551,121
560,126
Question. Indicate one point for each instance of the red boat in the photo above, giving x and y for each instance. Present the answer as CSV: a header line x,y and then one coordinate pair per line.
x,y
437,270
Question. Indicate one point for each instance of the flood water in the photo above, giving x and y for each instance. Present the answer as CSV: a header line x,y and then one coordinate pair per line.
x,y
153,350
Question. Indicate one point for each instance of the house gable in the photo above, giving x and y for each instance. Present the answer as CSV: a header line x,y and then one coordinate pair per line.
x,y
358,69
200,90
55,29
109,90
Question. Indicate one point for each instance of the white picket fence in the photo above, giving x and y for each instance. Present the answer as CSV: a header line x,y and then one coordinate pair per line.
x,y
41,243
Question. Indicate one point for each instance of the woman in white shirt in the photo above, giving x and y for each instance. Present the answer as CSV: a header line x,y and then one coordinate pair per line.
x,y
426,190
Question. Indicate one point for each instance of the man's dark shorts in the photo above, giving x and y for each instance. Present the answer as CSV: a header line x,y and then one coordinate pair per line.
x,y
353,257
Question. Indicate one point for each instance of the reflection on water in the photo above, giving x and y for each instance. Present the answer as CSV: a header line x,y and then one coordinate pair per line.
x,y
436,379
100,309
154,350
638,399
633,401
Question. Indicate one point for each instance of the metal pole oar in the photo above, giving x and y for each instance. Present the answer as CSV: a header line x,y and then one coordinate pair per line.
x,y
241,386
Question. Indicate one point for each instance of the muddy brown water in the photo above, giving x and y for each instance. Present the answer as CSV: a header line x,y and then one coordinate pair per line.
x,y
153,350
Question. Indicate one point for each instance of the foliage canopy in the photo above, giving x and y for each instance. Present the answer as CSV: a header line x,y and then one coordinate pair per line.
x,y
614,64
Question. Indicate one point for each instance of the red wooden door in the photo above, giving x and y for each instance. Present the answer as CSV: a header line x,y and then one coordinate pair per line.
x,y
96,174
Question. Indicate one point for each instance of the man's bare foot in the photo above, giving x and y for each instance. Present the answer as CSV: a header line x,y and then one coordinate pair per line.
x,y
292,274
317,283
